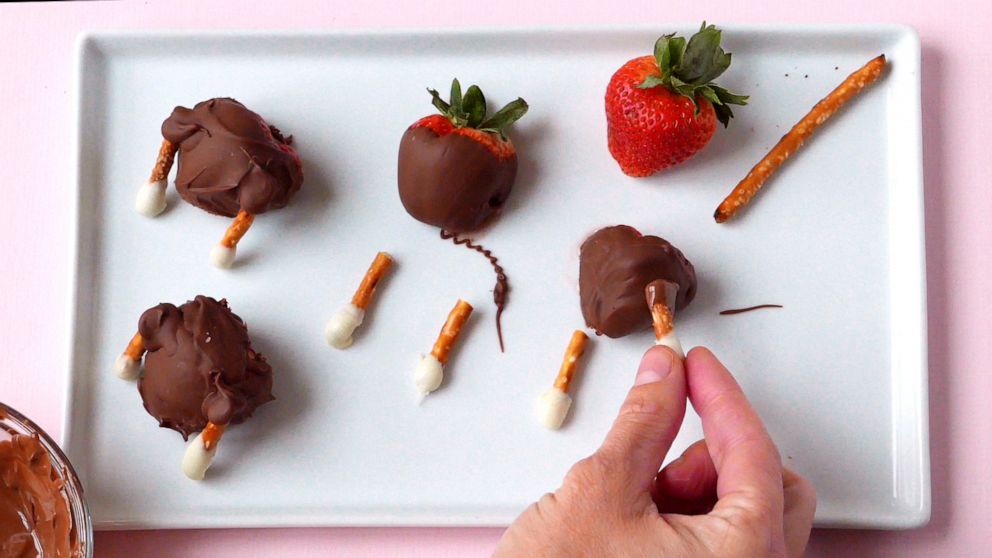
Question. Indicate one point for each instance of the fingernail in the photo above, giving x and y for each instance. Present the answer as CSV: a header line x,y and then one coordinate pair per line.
x,y
655,366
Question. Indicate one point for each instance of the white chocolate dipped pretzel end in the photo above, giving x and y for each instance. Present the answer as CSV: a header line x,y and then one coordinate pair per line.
x,y
224,253
430,369
658,293
343,324
128,364
201,451
555,402
151,196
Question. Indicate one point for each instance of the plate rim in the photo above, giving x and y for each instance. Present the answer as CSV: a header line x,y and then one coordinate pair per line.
x,y
88,47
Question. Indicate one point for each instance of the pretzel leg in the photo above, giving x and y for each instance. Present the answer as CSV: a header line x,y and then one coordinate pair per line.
x,y
128,364
201,451
226,250
430,370
151,196
343,324
658,294
555,402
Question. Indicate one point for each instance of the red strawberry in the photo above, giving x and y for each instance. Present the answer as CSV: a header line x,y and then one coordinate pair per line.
x,y
456,169
662,109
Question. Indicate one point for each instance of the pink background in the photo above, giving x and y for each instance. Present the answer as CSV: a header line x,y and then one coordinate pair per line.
x,y
36,54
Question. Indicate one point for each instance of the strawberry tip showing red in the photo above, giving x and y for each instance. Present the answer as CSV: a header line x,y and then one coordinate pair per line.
x,y
469,110
688,68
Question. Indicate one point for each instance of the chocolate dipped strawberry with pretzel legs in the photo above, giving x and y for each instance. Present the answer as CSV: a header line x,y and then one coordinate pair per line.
x,y
456,170
231,163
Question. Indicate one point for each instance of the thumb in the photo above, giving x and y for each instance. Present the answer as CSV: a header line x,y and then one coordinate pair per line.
x,y
649,419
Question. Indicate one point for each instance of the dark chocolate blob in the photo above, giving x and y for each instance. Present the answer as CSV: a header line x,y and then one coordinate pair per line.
x,y
452,181
230,159
615,265
200,366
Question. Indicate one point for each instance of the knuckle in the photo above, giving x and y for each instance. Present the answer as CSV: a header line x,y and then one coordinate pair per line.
x,y
642,410
588,471
545,507
805,492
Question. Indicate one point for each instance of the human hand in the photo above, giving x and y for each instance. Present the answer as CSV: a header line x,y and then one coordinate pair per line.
x,y
727,496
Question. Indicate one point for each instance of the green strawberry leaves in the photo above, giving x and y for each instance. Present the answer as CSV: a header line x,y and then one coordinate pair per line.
x,y
689,68
668,52
469,110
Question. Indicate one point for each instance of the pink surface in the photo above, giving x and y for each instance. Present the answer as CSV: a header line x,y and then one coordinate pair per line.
x,y
36,54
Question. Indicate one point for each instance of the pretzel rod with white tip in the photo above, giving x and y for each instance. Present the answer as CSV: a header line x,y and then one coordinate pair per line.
x,y
430,369
226,250
658,293
151,196
555,402
201,451
343,324
128,364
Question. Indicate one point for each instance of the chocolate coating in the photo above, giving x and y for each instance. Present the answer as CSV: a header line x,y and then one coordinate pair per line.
x,y
452,181
615,265
34,512
200,366
230,159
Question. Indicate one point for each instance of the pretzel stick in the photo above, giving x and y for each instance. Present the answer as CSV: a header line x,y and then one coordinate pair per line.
x,y
555,402
658,293
224,253
343,324
797,136
449,333
151,196
128,364
576,347
430,369
380,265
201,451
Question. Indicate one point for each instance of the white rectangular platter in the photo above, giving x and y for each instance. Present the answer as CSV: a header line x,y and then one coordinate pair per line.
x,y
839,374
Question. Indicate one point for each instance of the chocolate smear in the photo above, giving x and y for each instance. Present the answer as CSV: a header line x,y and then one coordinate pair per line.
x,y
748,309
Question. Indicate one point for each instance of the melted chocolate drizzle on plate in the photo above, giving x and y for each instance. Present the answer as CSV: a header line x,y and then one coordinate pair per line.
x,y
502,283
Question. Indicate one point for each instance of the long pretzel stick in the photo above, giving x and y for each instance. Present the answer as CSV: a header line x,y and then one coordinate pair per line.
x,y
343,324
224,253
555,402
797,136
430,369
128,364
658,293
201,451
151,196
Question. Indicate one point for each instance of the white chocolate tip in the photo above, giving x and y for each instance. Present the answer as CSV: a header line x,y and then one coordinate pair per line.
x,y
151,198
197,459
222,256
672,342
344,323
429,375
553,408
127,368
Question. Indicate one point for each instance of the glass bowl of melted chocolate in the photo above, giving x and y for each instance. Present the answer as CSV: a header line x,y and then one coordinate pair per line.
x,y
42,510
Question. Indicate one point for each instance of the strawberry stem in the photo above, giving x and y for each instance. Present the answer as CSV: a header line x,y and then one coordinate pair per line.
x,y
689,68
469,110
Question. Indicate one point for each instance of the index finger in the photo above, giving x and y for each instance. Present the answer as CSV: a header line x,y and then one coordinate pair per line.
x,y
747,462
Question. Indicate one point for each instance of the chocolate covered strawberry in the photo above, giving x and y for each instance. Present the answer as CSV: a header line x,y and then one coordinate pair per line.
x,y
456,170
662,109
